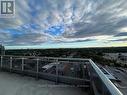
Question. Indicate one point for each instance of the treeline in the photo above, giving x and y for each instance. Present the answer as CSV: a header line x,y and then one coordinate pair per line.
x,y
96,54
67,51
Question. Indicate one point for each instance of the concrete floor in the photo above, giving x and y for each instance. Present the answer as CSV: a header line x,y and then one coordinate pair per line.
x,y
13,84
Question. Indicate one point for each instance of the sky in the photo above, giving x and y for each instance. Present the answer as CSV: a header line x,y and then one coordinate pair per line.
x,y
65,24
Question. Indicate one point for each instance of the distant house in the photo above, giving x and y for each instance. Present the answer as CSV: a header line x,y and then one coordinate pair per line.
x,y
122,57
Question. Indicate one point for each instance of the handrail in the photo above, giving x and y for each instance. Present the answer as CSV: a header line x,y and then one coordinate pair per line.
x,y
110,86
58,58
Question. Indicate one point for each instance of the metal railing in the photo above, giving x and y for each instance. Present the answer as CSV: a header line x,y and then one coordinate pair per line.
x,y
75,71
56,69
101,84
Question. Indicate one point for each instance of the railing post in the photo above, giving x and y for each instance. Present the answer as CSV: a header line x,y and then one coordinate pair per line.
x,y
1,63
37,65
57,73
85,70
22,64
10,64
103,90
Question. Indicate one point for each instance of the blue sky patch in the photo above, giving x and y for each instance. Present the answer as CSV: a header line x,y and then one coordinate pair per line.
x,y
55,30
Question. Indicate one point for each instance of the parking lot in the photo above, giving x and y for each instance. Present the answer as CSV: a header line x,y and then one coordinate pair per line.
x,y
120,74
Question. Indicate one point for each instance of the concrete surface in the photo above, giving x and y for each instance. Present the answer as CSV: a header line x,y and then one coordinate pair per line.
x,y
13,84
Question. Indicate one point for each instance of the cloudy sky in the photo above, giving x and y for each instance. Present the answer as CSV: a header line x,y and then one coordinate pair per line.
x,y
65,23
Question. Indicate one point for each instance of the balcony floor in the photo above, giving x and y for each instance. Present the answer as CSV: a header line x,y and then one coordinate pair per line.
x,y
13,84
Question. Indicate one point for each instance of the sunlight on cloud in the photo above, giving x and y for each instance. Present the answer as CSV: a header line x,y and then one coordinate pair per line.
x,y
123,29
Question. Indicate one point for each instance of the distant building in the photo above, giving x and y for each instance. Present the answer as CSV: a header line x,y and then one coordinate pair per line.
x,y
2,50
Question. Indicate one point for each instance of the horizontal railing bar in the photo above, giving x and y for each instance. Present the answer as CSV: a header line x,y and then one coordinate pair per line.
x,y
54,58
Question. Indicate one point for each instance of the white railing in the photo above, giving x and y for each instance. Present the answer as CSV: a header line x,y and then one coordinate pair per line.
x,y
113,90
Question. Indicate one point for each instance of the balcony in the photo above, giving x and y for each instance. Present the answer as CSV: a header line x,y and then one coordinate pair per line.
x,y
80,76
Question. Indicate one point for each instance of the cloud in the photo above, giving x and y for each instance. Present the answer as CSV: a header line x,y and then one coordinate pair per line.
x,y
37,21
121,34
117,40
123,29
104,19
29,39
